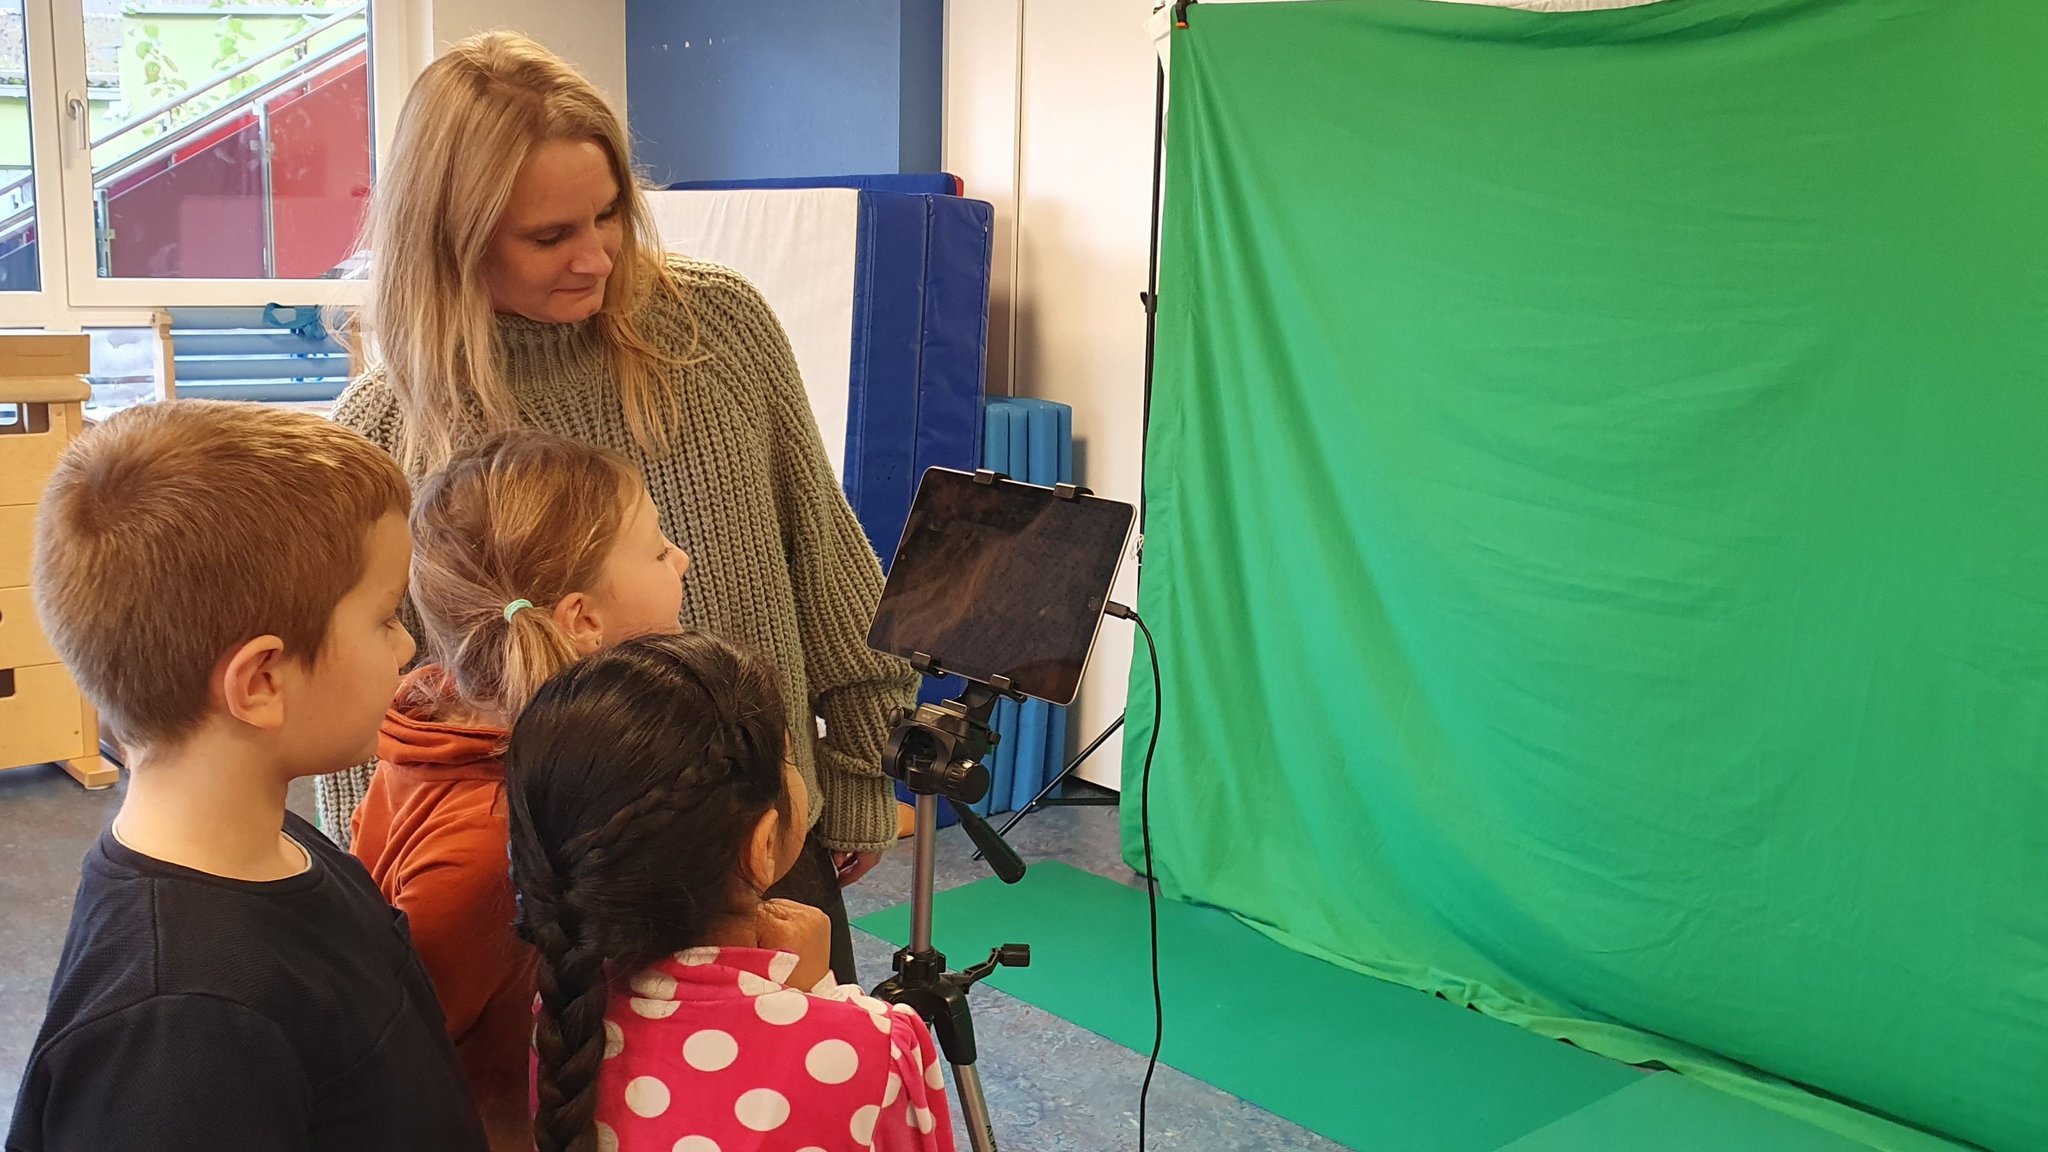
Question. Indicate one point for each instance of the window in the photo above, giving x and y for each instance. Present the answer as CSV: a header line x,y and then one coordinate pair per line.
x,y
18,268
158,153
127,369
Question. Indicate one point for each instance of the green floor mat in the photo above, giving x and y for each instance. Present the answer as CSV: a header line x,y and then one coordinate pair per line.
x,y
1669,1113
1368,1064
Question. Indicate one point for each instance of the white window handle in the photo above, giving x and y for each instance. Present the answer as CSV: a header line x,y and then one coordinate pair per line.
x,y
80,113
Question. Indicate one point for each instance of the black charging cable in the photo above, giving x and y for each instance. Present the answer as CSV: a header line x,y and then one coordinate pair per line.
x,y
1151,882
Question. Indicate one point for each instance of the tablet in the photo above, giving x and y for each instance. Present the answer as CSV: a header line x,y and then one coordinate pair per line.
x,y
994,578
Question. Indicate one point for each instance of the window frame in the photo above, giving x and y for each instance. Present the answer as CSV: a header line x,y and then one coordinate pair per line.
x,y
72,295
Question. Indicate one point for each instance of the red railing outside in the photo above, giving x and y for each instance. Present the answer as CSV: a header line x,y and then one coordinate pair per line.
x,y
214,209
272,184
320,172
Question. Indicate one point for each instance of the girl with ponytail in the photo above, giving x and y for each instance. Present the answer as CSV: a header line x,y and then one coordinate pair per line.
x,y
529,550
653,802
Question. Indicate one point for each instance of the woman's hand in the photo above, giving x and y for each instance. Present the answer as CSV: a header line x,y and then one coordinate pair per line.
x,y
787,926
854,865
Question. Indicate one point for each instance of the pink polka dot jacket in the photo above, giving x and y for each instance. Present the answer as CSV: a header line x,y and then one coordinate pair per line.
x,y
709,1051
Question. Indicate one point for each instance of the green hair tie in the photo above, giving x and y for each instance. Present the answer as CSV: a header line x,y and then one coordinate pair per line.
x,y
513,608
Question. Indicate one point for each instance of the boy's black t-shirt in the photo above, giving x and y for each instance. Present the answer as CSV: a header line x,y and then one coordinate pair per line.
x,y
195,1012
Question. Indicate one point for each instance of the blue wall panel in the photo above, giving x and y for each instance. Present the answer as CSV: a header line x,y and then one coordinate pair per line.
x,y
751,89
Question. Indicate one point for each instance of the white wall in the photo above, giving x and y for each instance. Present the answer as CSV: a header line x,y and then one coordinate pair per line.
x,y
982,53
1049,117
589,34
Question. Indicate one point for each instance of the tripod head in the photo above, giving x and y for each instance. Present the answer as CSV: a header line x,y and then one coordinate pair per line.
x,y
937,750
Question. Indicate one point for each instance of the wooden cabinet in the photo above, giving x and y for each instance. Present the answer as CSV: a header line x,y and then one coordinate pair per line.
x,y
44,718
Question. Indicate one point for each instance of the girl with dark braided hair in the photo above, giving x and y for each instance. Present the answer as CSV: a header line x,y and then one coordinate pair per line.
x,y
653,803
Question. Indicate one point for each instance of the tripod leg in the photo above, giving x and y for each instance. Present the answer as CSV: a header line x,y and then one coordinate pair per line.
x,y
981,1132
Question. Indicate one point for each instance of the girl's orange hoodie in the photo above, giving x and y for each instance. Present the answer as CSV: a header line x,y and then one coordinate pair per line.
x,y
432,832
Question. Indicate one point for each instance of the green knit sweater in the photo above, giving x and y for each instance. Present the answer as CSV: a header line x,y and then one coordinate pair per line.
x,y
778,560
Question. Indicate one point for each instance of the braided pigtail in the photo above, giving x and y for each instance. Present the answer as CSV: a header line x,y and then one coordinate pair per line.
x,y
634,778
568,1033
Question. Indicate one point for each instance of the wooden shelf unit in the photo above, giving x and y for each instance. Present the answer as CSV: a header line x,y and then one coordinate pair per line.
x,y
44,718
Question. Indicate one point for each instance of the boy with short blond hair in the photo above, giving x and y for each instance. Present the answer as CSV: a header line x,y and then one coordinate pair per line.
x,y
223,582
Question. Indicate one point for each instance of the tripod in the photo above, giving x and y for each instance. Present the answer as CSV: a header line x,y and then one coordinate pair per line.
x,y
936,751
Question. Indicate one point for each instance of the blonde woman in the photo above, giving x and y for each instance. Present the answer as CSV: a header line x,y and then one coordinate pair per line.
x,y
517,281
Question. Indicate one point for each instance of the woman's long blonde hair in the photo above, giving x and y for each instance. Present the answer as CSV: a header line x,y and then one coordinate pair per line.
x,y
469,124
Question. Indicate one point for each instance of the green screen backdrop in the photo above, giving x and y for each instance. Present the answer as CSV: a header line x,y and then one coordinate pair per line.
x,y
1598,528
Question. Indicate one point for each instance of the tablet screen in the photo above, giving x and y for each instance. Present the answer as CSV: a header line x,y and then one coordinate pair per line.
x,y
1002,579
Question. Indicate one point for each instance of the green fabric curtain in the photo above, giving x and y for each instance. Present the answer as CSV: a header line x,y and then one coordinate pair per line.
x,y
1598,528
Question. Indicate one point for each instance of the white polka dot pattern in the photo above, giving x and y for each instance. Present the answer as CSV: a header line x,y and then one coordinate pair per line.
x,y
784,1007
721,1065
646,1097
710,1050
655,985
654,1009
863,1127
762,1110
832,1062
